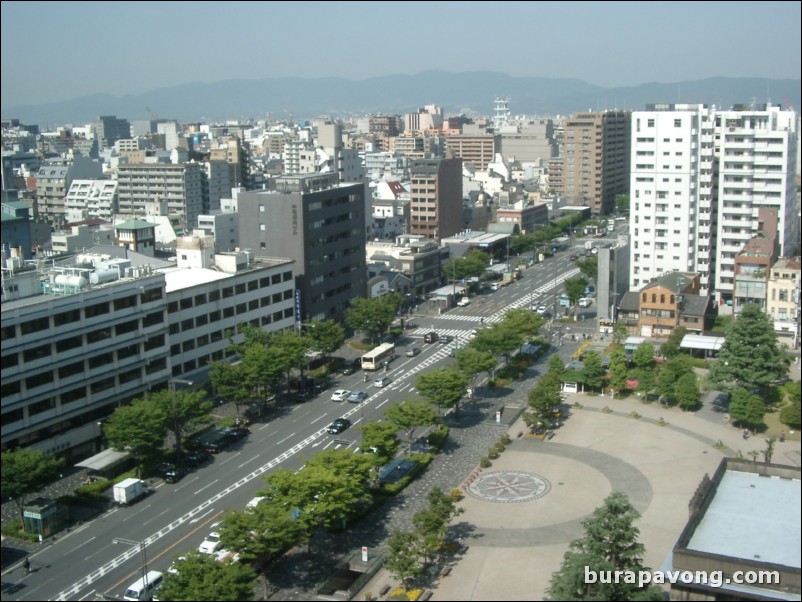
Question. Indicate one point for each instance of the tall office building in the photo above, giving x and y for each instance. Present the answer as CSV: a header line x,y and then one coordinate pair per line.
x,y
672,193
595,151
435,197
109,129
757,151
318,222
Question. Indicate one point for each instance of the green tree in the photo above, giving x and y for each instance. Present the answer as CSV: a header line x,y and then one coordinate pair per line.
x,y
544,398
139,429
619,333
618,371
326,336
575,288
263,368
593,371
182,411
231,382
381,439
25,472
332,488
610,543
622,203
589,267
260,535
473,362
403,559
751,356
411,413
444,387
373,315
671,346
202,577
791,415
522,322
431,522
746,409
687,393
497,341
671,372
643,358
473,264
291,350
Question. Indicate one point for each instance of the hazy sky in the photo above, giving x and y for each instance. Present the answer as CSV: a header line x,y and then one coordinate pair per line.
x,y
54,51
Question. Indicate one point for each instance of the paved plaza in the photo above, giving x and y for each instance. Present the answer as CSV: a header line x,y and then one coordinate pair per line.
x,y
521,513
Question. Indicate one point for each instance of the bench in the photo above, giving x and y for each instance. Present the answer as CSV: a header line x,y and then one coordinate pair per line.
x,y
426,595
446,571
383,591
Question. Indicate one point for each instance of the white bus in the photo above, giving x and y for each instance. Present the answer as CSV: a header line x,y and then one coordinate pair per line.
x,y
373,360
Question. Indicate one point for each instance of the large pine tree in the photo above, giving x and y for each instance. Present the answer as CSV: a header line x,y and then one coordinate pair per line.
x,y
610,544
750,357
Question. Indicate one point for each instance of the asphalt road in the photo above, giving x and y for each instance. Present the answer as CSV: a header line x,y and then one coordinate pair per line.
x,y
176,517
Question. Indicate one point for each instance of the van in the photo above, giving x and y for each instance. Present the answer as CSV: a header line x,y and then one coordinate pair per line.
x,y
145,587
565,301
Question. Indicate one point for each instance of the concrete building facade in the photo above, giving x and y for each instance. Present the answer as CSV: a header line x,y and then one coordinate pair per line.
x,y
181,185
435,198
757,150
672,193
596,156
320,224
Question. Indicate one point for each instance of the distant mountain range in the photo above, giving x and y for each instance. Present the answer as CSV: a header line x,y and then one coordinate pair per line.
x,y
471,93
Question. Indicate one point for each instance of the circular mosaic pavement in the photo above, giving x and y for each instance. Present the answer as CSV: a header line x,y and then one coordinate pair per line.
x,y
509,486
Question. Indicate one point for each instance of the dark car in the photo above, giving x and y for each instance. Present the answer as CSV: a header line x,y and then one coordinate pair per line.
x,y
446,339
299,396
197,457
573,258
338,426
236,433
169,472
431,337
350,367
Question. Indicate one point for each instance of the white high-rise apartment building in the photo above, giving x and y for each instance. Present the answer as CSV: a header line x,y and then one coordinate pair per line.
x,y
756,150
672,196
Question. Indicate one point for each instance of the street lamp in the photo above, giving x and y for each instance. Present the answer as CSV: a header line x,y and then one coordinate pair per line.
x,y
143,555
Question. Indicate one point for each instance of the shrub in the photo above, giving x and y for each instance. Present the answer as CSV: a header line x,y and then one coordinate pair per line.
x,y
455,494
484,462
438,437
505,440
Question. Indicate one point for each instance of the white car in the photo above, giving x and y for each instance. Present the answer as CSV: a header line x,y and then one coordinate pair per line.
x,y
340,395
584,302
463,302
211,544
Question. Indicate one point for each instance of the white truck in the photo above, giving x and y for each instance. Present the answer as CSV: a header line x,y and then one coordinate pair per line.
x,y
130,490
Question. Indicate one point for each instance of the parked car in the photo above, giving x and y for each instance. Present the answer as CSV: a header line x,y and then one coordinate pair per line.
x,y
356,397
340,395
236,433
413,351
169,472
197,457
338,426
431,337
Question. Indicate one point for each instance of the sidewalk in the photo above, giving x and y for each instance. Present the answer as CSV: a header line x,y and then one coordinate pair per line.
x,y
514,547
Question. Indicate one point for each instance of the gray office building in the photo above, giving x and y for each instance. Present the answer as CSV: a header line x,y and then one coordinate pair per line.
x,y
320,224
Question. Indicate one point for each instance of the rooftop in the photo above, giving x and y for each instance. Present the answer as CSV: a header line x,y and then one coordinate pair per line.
x,y
753,517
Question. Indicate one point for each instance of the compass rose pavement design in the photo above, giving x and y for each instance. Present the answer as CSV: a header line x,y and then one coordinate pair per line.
x,y
509,486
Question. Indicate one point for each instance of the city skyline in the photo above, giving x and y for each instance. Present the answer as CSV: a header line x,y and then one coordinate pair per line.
x,y
53,52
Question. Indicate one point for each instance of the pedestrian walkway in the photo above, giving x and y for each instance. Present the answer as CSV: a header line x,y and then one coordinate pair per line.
x,y
656,455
